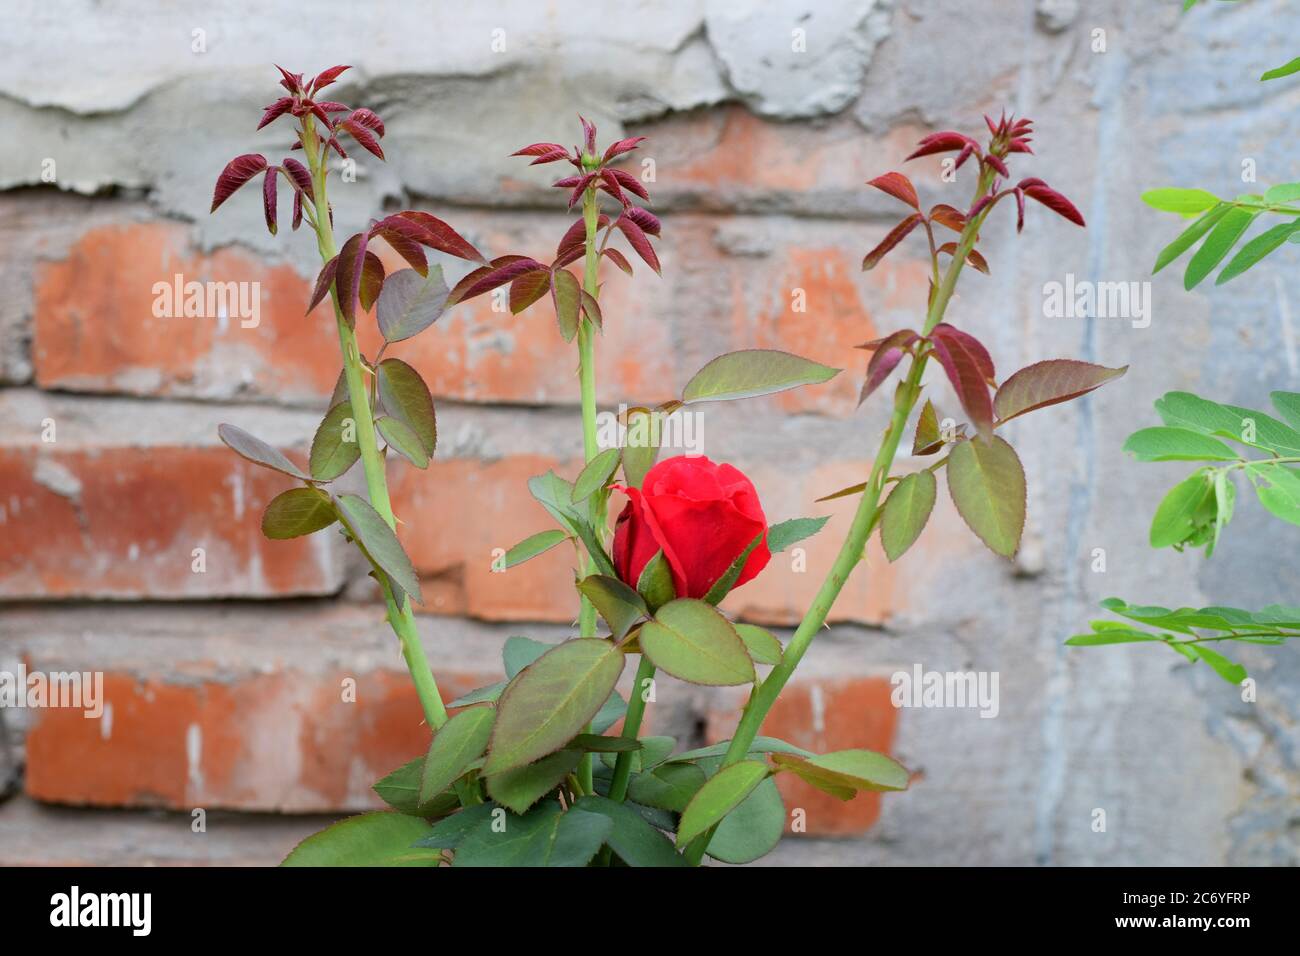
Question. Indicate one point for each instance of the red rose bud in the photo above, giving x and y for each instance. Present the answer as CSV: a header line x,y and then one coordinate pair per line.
x,y
701,514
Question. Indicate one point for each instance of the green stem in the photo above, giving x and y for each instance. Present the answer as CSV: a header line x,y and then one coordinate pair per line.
x,y
401,618
631,727
853,549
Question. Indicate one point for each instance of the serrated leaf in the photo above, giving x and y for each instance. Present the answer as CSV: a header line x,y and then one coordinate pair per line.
x,y
761,745
297,512
987,484
906,511
334,449
1163,443
518,652
520,788
545,836
719,795
1049,383
479,695
372,839
457,744
655,585
761,643
668,787
400,789
595,475
532,546
257,451
786,533
551,701
405,397
449,833
640,444
410,303
566,296
380,544
618,604
692,641
969,375
753,372
399,437
635,841
720,588
928,439
851,769
753,829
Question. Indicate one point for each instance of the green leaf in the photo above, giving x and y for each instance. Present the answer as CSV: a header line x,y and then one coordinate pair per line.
x,y
520,788
987,484
906,511
1187,513
1049,383
927,439
668,787
849,769
518,652
551,701
753,372
786,533
381,545
545,836
720,794
761,643
372,839
334,449
1189,236
402,440
722,587
1282,193
400,789
1285,70
640,444
1288,404
449,833
1225,496
1281,494
297,512
1120,635
1217,244
409,303
635,841
753,829
456,745
479,695
532,546
1162,443
1255,250
1186,410
600,744
617,604
1232,672
1184,202
566,296
650,752
611,712
761,745
655,585
556,495
257,451
595,475
405,396
690,640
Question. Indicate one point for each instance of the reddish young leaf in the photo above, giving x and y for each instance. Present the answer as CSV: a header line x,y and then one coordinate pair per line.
x,y
618,259
621,146
369,119
551,157
944,142
365,139
299,176
372,281
588,135
928,439
352,262
323,282
1054,201
326,77
971,344
636,237
297,209
591,308
528,288
946,215
290,81
575,237
500,271
888,352
647,220
997,166
967,379
539,149
580,184
609,183
898,186
405,246
329,106
436,234
896,235
566,296
268,197
973,258
237,172
629,182
1049,383
276,110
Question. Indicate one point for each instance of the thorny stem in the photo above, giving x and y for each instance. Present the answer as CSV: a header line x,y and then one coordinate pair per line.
x,y
854,547
400,617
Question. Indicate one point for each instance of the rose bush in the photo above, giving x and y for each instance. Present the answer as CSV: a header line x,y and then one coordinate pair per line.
x,y
703,515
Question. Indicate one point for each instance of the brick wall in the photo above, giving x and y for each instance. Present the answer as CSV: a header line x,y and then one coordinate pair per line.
x,y
224,688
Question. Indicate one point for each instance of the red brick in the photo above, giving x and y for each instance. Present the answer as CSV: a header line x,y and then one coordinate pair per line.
x,y
283,740
823,714
124,522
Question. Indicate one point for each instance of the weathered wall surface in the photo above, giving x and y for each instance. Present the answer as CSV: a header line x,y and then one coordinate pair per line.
x,y
223,687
